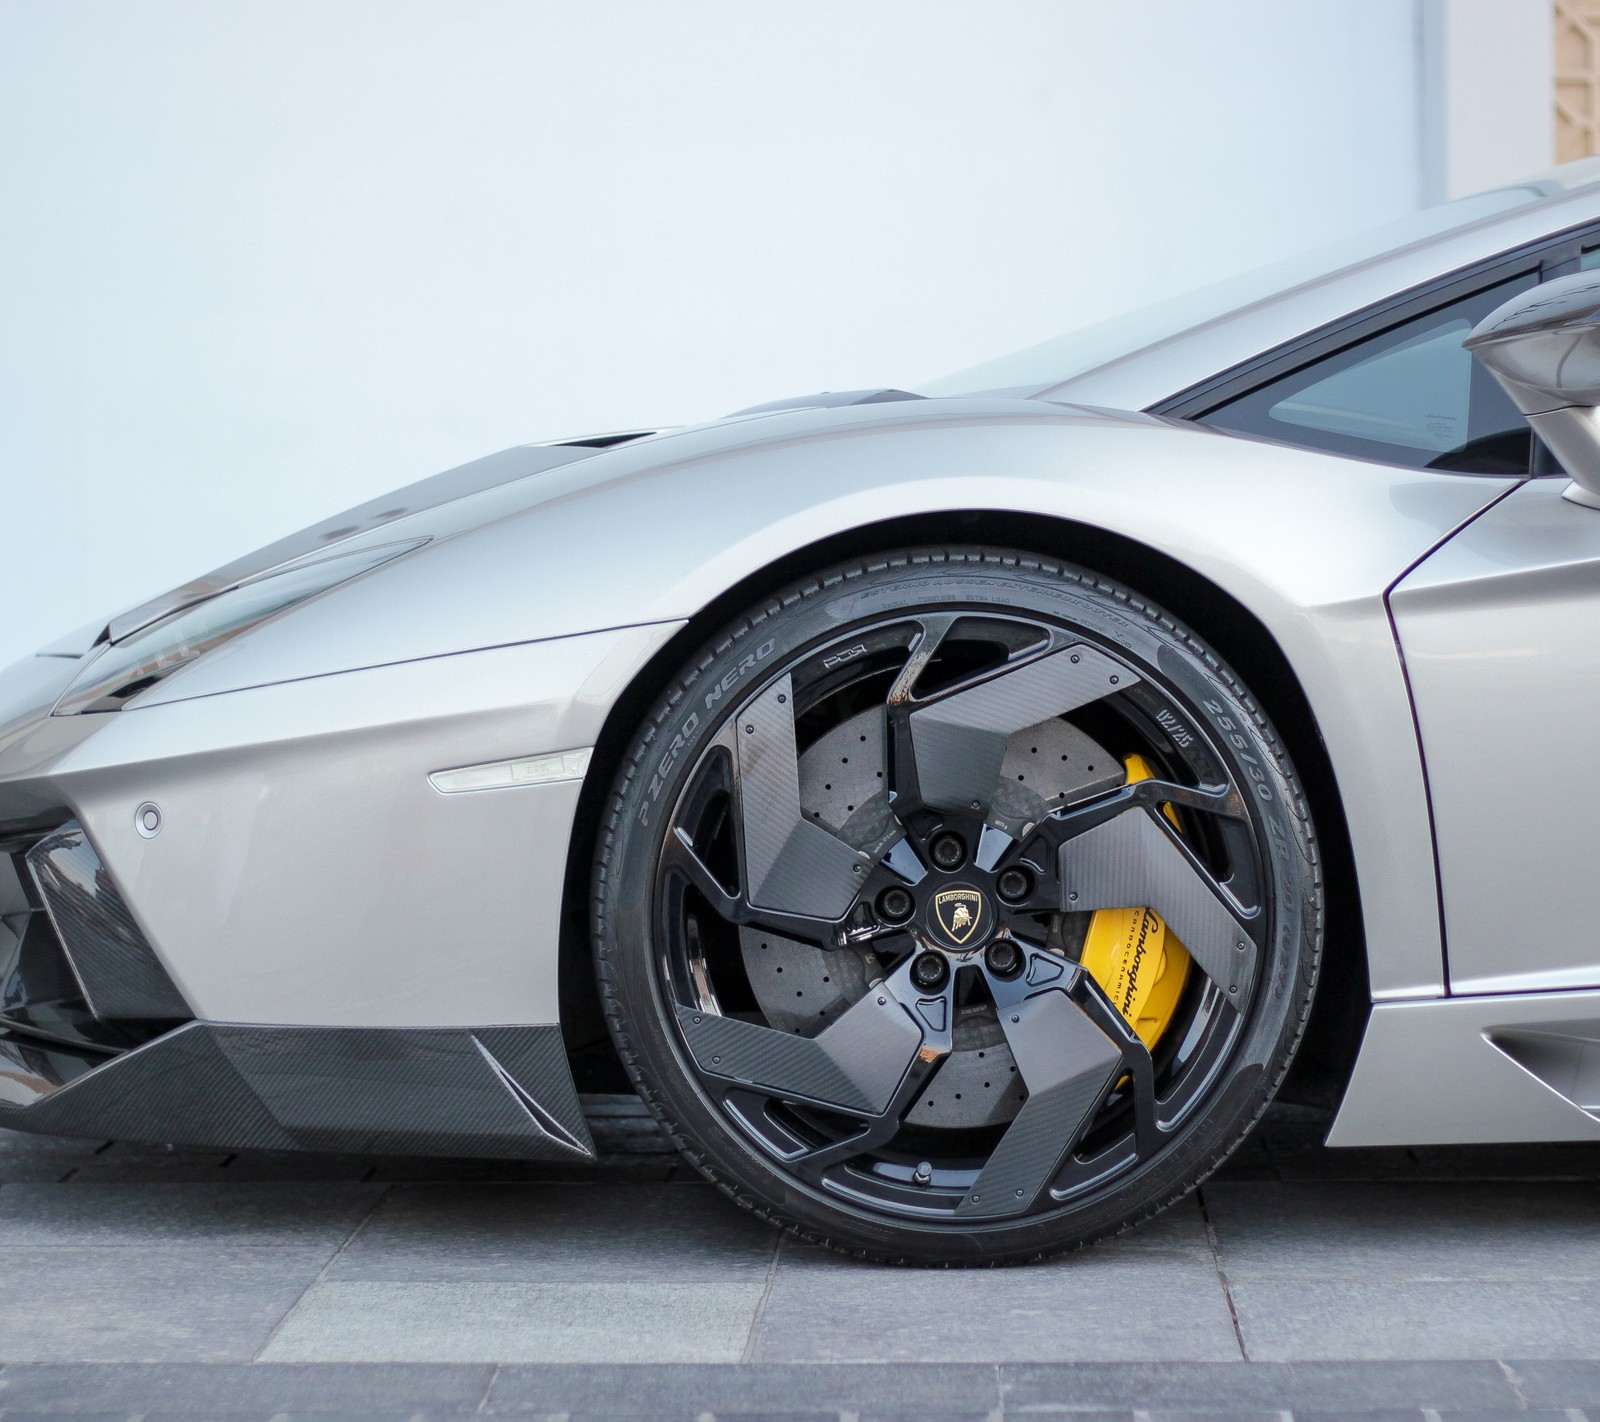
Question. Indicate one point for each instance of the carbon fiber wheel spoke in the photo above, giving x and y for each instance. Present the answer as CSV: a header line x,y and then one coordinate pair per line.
x,y
934,1015
959,740
1068,1064
1221,800
680,855
899,706
791,866
933,629
1136,860
857,1065
1136,1060
815,1164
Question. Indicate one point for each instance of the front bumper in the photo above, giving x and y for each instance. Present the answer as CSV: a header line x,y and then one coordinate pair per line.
x,y
306,871
331,952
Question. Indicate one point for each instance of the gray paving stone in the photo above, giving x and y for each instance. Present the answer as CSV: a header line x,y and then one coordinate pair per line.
x,y
265,1389
1553,1160
142,1217
1350,1318
1388,1414
362,1415
120,1416
1413,1414
148,1150
1352,1164
1385,1414
1547,1382
1098,1305
152,1170
1180,1229
1264,1414
1363,1257
1248,1171
290,1165
657,1321
936,1415
213,1303
525,1172
1409,1231
626,1233
1100,1392
755,1389
794,1415
1229,1387
37,1169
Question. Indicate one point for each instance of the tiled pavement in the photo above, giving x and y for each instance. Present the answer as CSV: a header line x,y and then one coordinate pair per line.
x,y
160,1283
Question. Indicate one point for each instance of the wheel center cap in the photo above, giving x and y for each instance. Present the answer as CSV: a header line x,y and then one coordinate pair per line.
x,y
959,917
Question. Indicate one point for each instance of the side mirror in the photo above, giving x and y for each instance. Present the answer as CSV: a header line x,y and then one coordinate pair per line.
x,y
1543,346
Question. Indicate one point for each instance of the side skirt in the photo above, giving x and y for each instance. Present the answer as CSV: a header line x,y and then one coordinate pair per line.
x,y
1476,1070
481,1091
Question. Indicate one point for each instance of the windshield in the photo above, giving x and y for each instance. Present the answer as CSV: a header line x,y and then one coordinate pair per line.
x,y
1064,357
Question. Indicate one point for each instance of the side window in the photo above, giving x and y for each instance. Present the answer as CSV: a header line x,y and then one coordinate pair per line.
x,y
1408,395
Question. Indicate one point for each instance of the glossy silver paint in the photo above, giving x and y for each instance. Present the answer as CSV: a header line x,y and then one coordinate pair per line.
x,y
1453,1072
1544,344
354,527
1501,633
310,870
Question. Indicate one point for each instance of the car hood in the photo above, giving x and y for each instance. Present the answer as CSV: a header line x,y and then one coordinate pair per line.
x,y
509,466
494,471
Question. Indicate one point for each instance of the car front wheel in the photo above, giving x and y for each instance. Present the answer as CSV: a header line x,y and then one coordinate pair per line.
x,y
957,907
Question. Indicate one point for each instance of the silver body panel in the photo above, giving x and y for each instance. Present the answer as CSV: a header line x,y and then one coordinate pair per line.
x,y
1501,634
1430,1073
308,871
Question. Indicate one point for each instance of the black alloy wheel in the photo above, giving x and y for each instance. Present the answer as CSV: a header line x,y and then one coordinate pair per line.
x,y
957,907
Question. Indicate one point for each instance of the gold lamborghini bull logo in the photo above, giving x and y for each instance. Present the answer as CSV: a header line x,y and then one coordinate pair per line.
x,y
959,912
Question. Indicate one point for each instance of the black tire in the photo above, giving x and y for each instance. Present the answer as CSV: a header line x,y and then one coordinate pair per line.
x,y
724,1060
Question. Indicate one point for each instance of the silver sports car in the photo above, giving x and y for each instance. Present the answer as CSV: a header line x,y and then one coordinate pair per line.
x,y
956,813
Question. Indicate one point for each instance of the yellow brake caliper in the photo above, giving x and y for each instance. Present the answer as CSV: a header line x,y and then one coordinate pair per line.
x,y
1130,953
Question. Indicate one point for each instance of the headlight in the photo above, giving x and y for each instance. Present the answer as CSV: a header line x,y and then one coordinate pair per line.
x,y
123,669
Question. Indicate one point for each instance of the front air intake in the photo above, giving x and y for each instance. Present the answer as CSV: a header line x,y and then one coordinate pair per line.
x,y
119,973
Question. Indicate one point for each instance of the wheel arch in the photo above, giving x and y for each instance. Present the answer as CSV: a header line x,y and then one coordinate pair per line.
x,y
1344,997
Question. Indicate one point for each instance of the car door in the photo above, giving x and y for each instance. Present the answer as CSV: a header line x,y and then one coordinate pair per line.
x,y
1499,628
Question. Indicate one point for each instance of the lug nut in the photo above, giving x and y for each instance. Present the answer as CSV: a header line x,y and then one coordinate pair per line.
x,y
1014,885
929,972
947,851
1004,958
895,905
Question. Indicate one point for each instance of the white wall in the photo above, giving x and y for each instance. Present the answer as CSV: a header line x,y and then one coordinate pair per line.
x,y
1488,93
263,258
